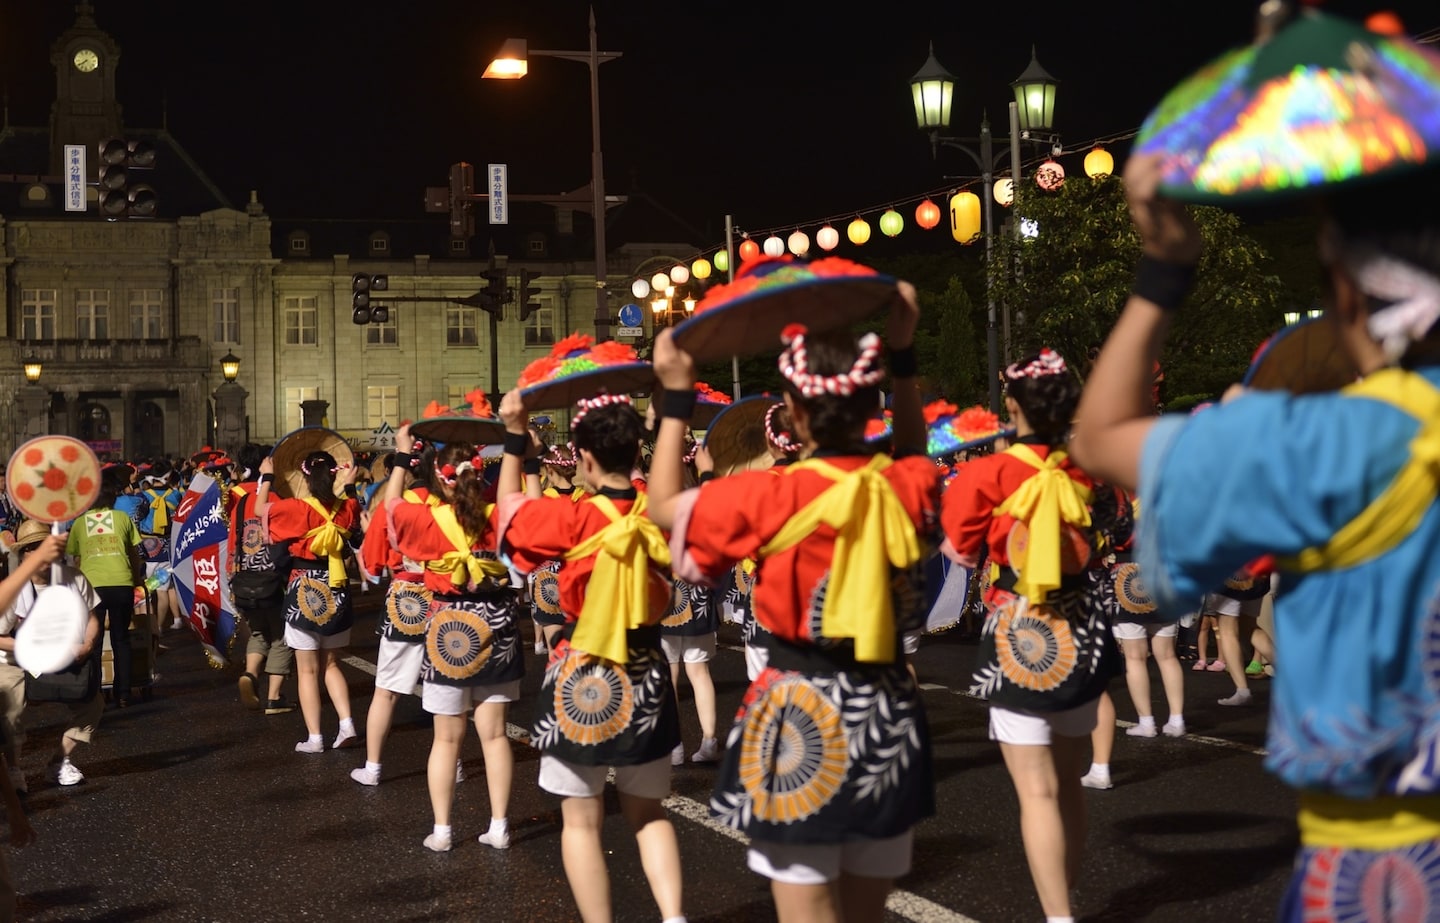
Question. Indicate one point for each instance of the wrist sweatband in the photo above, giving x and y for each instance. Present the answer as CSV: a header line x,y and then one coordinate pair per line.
x,y
1163,284
351,490
532,466
903,363
267,479
706,475
678,404
517,444
403,460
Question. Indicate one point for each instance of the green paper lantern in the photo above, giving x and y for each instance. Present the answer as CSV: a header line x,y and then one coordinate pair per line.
x,y
891,223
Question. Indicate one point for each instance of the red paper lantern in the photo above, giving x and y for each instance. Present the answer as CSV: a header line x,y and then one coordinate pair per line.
x,y
927,214
748,250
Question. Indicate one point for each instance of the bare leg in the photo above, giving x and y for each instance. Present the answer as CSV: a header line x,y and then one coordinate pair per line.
x,y
1230,650
552,633
1172,674
1202,637
703,686
583,856
1042,826
499,758
440,770
307,681
862,899
1069,755
1264,648
275,685
1102,739
659,851
804,903
335,683
378,721
1137,674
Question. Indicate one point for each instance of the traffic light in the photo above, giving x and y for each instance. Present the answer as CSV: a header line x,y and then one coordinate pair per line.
x,y
462,187
362,286
493,296
528,291
121,194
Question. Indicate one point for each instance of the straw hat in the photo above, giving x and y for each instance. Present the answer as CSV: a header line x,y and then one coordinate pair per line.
x,y
736,438
1303,358
31,533
291,450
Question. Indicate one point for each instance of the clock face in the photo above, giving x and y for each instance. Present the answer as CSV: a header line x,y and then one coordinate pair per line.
x,y
86,60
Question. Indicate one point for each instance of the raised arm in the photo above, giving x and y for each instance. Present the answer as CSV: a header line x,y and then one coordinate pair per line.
x,y
905,405
675,370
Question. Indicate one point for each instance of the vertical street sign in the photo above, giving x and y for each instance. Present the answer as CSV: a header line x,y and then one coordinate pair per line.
x,y
499,204
74,177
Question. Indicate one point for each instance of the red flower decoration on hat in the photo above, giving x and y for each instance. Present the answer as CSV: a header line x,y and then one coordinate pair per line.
x,y
435,409
876,428
575,342
792,331
974,422
612,352
538,371
937,409
479,403
709,395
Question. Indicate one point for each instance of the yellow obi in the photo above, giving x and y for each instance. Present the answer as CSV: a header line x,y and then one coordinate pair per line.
x,y
1045,501
431,500
328,540
873,532
617,597
160,513
1373,824
464,566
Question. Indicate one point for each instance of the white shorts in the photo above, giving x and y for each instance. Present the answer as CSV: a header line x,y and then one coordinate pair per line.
x,y
911,641
397,668
1036,728
301,640
821,863
1139,631
458,700
757,658
571,780
688,648
1215,604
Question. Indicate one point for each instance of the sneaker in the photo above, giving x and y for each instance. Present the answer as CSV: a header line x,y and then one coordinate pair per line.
x,y
436,843
1241,697
1269,671
66,773
540,647
1201,664
1216,666
249,696
279,706
345,740
366,776
176,625
709,751
1174,729
1093,780
677,756
500,840
459,772
1254,668
1141,730
310,746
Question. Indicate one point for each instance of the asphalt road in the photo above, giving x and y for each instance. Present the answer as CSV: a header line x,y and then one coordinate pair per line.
x,y
195,809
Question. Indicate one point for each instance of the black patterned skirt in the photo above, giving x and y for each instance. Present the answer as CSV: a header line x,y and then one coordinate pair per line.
x,y
692,611
595,712
819,757
544,585
313,605
472,640
407,611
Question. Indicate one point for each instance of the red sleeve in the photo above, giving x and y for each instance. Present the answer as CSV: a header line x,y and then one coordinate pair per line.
x,y
542,529
732,517
375,549
967,510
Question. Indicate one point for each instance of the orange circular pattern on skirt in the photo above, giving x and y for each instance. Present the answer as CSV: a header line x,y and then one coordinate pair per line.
x,y
1074,548
407,606
545,590
1034,645
1130,592
459,643
681,610
594,700
793,755
316,602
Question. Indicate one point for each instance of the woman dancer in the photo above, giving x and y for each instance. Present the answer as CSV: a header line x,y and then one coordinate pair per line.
x,y
315,529
831,820
557,466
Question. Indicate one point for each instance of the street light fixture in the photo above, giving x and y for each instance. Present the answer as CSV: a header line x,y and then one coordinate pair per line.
x,y
932,90
512,63
32,369
230,366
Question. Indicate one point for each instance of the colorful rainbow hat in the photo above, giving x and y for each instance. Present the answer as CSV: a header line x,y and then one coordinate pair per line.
x,y
578,367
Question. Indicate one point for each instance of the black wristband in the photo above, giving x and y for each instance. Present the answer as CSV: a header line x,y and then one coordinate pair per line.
x,y
678,405
903,363
267,479
517,444
403,460
706,476
1163,284
351,490
532,466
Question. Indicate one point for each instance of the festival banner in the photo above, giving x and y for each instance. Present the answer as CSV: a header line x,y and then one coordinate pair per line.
x,y
200,567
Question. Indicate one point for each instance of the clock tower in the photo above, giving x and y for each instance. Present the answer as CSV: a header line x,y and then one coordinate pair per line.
x,y
85,111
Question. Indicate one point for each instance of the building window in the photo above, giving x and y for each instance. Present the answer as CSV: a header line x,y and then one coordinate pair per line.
x,y
386,334
382,405
226,306
300,320
146,321
37,314
299,242
540,328
379,243
536,245
461,326
459,245
293,397
92,313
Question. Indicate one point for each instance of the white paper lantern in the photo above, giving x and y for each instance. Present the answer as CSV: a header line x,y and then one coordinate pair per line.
x,y
799,243
679,274
639,288
774,246
660,281
827,237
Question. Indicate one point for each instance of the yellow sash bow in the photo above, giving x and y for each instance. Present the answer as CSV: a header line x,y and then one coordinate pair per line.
x,y
1044,502
160,514
873,532
465,567
328,539
618,595
1397,511
430,500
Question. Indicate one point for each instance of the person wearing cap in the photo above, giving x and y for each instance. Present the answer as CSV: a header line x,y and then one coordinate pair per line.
x,y
35,549
1339,485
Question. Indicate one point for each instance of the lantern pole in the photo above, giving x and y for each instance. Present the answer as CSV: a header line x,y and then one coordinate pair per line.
x,y
992,345
1015,174
730,272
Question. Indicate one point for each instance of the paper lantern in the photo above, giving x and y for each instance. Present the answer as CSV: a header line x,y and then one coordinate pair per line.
x,y
1049,176
965,217
827,237
722,260
640,288
799,243
660,281
891,223
774,246
679,274
700,269
1029,228
1099,163
1004,192
858,232
927,214
748,250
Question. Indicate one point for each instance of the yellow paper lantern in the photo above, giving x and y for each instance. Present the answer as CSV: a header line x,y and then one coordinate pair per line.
x,y
722,261
827,237
660,281
799,243
1004,192
927,214
1099,163
700,269
891,223
858,231
965,217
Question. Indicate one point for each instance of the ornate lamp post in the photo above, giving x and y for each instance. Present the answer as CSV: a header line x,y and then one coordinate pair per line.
x,y
230,419
34,402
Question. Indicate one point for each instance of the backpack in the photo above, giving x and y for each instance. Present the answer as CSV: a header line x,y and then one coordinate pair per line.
x,y
257,581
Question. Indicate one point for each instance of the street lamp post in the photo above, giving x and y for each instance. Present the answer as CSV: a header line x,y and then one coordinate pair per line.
x,y
933,90
512,64
230,422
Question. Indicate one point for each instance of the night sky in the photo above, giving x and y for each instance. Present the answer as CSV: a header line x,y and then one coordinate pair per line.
x,y
779,113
